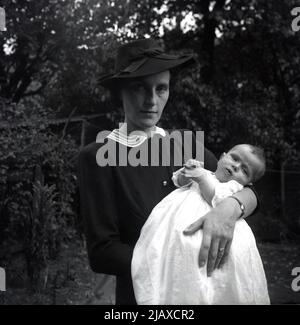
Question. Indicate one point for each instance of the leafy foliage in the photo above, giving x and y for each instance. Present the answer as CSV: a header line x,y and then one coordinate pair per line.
x,y
36,212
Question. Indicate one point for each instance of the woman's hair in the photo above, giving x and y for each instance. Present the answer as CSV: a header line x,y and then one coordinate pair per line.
x,y
115,94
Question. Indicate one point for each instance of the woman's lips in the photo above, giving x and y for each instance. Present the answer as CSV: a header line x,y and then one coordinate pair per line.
x,y
149,112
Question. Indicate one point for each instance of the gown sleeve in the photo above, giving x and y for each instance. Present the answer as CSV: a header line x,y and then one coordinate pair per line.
x,y
223,190
175,178
107,254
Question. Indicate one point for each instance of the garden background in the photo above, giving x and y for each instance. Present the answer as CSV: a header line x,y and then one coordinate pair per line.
x,y
244,88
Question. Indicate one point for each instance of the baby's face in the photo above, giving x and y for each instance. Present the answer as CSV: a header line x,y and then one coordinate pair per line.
x,y
239,164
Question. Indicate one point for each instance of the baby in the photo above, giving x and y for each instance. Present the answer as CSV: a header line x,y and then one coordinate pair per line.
x,y
244,164
165,262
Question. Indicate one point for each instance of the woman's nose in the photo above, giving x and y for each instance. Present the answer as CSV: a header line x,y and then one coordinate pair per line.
x,y
150,97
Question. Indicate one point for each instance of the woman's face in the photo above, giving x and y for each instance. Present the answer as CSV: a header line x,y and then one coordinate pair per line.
x,y
144,100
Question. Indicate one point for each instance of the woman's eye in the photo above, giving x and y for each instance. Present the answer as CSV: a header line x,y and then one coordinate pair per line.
x,y
161,89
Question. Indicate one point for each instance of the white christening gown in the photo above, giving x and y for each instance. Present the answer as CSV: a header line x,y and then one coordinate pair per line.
x,y
165,261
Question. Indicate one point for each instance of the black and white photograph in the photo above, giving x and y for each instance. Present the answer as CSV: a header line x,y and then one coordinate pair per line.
x,y
150,154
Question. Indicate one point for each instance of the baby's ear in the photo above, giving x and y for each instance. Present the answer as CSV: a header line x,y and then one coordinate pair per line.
x,y
223,154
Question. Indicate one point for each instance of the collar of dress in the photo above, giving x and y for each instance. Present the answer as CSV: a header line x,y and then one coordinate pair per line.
x,y
135,138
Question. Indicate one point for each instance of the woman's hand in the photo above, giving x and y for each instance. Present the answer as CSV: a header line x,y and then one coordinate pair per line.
x,y
218,227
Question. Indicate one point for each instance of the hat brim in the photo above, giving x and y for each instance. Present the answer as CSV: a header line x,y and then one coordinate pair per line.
x,y
151,66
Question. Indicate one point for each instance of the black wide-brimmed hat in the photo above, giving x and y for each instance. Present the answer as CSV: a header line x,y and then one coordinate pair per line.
x,y
142,58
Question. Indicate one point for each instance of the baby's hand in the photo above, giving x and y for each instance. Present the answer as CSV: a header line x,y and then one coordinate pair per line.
x,y
193,163
193,169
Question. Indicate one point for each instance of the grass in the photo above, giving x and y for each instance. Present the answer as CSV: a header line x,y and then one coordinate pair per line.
x,y
279,261
71,282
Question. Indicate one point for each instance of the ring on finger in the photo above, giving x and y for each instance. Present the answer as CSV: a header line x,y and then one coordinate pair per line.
x,y
221,250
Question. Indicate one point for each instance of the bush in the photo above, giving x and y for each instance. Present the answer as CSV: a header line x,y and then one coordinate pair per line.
x,y
37,186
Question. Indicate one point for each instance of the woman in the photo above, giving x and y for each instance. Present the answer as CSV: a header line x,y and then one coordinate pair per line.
x,y
116,198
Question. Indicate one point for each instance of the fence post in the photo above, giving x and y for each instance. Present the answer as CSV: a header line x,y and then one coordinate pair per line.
x,y
82,137
36,200
282,190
